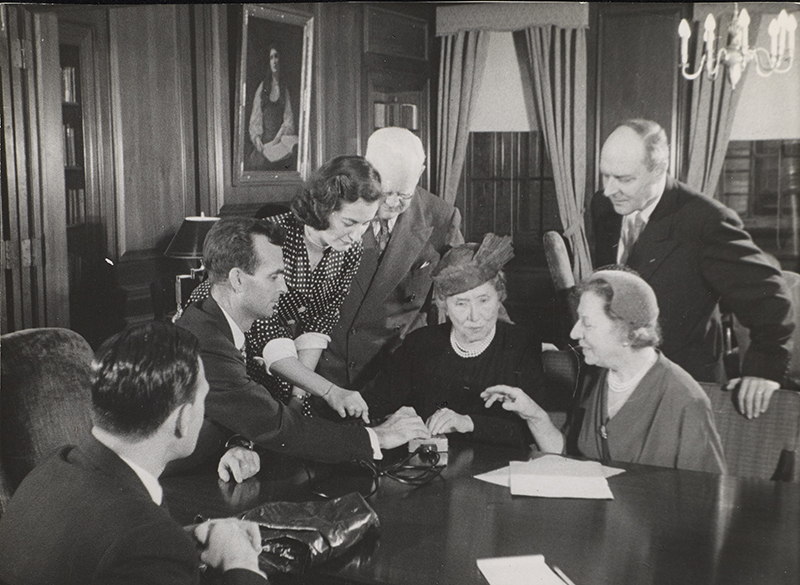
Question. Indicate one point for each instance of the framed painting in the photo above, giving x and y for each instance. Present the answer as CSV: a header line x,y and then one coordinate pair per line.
x,y
273,91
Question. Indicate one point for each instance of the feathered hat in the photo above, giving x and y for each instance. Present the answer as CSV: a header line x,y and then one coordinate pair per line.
x,y
468,266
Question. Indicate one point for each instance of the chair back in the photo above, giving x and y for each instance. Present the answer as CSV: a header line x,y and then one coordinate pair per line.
x,y
562,370
45,398
755,447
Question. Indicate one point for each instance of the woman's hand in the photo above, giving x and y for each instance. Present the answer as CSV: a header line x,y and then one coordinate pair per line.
x,y
347,403
514,400
447,421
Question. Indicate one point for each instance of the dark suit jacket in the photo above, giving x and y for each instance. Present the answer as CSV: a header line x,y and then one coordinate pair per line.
x,y
238,404
695,253
83,516
386,300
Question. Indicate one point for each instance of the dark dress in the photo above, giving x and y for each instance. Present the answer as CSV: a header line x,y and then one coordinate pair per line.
x,y
426,373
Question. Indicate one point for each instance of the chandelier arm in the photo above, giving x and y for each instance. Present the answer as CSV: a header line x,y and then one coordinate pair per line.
x,y
788,65
696,74
763,71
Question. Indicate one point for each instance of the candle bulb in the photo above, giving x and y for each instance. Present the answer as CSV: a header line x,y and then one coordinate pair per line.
x,y
744,26
773,39
685,32
710,26
782,26
791,27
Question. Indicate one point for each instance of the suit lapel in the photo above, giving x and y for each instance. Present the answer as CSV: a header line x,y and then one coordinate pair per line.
x,y
409,235
655,242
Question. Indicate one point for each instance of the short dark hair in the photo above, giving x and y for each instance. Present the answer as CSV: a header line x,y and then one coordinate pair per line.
x,y
229,244
344,178
141,375
656,145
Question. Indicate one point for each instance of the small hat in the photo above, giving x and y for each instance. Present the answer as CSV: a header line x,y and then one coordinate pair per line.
x,y
633,300
468,266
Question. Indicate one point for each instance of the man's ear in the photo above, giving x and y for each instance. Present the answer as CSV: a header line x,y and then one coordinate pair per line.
x,y
419,176
183,419
235,278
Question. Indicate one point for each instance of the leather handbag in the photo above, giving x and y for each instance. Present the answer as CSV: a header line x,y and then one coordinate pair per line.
x,y
299,535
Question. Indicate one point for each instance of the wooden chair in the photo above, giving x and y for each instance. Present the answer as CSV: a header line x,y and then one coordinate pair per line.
x,y
45,399
755,447
562,370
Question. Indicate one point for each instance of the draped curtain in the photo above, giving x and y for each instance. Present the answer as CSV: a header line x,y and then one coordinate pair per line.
x,y
556,58
463,55
711,118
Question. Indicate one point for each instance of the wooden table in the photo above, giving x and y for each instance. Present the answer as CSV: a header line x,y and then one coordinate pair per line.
x,y
663,526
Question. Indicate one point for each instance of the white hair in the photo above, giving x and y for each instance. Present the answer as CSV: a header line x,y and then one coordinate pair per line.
x,y
395,152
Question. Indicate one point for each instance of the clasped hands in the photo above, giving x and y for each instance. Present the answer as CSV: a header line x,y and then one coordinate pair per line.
x,y
228,543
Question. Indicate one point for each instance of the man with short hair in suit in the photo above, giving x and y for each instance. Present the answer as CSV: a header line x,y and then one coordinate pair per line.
x,y
92,513
694,253
391,290
245,267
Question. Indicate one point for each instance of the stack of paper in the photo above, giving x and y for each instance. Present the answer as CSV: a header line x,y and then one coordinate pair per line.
x,y
554,476
525,570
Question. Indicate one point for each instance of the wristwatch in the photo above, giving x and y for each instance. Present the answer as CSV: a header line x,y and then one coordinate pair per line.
x,y
239,441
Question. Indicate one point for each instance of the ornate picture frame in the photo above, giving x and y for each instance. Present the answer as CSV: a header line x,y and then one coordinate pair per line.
x,y
273,96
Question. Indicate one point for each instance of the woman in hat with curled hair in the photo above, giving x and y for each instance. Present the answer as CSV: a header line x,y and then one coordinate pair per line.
x,y
641,407
441,370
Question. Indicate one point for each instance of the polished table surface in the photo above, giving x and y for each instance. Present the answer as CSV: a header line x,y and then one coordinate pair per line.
x,y
663,526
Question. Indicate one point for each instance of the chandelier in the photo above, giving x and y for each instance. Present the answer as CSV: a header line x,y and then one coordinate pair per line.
x,y
738,53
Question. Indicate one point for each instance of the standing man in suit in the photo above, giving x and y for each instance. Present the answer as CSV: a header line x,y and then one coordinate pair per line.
x,y
92,514
694,253
391,290
244,261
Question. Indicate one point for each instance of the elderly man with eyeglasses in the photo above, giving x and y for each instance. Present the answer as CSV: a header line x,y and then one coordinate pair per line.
x,y
390,295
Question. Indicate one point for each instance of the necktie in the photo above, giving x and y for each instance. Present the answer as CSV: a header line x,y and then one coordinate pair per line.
x,y
383,234
634,231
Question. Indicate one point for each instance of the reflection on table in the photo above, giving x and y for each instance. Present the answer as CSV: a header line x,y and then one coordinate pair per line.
x,y
663,526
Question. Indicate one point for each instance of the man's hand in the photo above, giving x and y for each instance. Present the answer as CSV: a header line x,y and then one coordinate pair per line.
x,y
400,428
448,421
754,394
229,543
347,403
238,463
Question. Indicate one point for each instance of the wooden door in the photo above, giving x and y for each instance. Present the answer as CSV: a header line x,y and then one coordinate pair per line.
x,y
33,258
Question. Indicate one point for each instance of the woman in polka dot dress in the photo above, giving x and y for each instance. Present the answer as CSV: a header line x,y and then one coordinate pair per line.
x,y
321,254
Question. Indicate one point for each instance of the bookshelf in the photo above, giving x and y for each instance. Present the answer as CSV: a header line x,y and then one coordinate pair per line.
x,y
72,131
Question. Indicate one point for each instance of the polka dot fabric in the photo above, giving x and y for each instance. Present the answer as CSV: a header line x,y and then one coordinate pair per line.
x,y
311,304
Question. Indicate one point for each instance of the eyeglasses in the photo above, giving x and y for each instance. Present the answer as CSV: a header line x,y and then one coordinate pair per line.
x,y
403,196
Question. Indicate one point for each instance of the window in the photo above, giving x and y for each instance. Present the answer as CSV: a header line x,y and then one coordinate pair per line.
x,y
761,182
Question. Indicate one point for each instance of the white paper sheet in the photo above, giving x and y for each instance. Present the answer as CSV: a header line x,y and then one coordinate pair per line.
x,y
553,476
502,476
524,570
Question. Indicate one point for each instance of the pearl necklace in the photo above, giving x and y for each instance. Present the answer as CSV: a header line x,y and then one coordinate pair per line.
x,y
475,352
615,385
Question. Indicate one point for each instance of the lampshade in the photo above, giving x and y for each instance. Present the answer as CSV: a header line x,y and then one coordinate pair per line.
x,y
188,242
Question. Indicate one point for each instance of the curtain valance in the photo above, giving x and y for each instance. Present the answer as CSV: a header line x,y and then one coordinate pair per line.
x,y
510,16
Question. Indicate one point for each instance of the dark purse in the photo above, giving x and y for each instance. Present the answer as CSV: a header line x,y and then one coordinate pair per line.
x,y
298,535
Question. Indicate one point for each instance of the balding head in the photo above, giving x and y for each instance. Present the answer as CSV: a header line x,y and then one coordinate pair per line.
x,y
398,156
633,164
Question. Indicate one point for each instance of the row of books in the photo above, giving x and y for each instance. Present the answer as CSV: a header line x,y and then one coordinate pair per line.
x,y
69,88
70,146
396,114
76,206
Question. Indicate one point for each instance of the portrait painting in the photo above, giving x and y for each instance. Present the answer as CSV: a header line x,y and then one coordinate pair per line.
x,y
272,96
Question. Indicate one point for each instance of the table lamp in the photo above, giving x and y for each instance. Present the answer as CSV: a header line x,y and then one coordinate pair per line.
x,y
188,245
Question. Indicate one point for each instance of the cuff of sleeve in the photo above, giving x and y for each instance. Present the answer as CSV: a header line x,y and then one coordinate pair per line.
x,y
278,349
377,454
312,340
759,365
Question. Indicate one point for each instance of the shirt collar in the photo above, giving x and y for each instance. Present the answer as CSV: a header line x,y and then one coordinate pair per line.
x,y
238,334
376,225
148,479
648,210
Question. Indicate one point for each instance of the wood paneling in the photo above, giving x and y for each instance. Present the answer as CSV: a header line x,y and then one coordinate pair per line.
x,y
637,53
153,122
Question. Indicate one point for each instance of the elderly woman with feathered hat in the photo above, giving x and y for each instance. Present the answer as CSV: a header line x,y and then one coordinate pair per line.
x,y
441,370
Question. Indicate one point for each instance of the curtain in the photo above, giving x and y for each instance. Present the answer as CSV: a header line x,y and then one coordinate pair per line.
x,y
556,58
711,117
463,56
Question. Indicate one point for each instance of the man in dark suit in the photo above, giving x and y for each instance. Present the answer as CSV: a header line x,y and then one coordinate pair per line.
x,y
695,253
390,292
92,514
245,268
